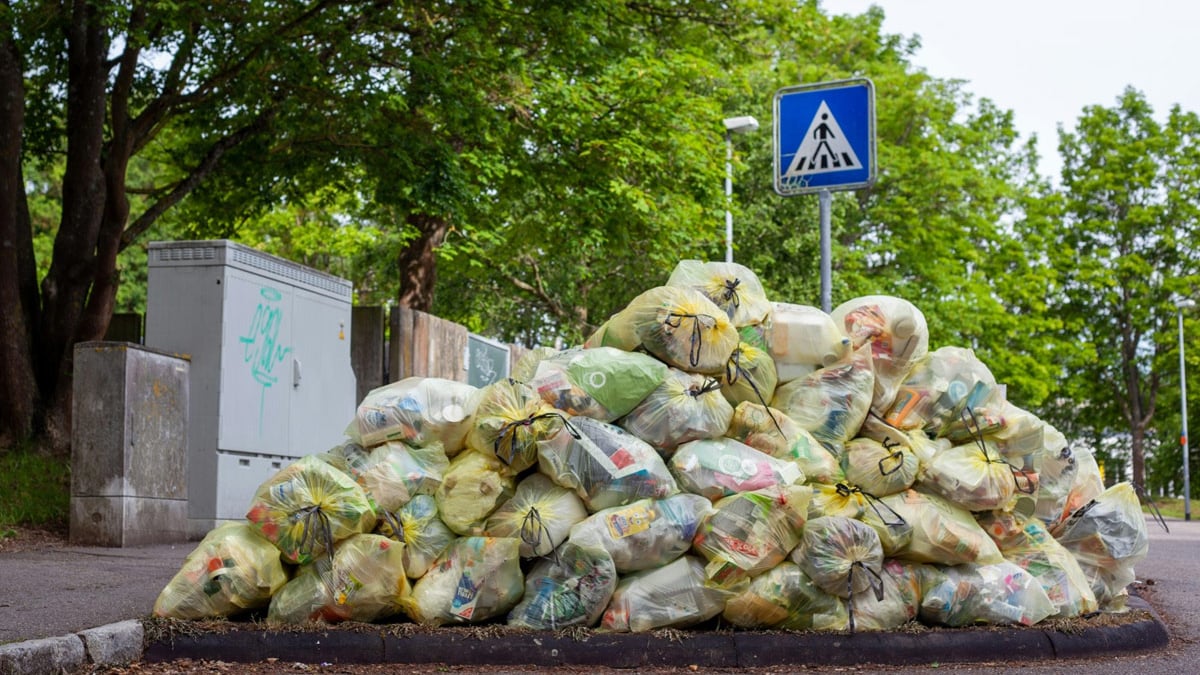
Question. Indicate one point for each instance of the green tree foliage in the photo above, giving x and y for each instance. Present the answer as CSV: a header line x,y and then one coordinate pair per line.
x,y
139,103
1122,250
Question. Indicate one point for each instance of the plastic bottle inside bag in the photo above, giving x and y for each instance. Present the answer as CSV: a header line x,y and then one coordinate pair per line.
x,y
801,339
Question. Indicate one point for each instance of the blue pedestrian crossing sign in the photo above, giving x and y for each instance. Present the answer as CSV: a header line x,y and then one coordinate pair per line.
x,y
824,137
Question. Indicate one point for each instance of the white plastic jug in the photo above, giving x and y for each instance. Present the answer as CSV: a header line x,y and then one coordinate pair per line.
x,y
801,339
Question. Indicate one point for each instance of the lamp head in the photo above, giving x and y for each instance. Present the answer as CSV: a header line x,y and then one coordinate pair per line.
x,y
1185,303
740,125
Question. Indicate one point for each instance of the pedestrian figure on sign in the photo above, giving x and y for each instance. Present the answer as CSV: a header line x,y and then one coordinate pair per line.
x,y
823,133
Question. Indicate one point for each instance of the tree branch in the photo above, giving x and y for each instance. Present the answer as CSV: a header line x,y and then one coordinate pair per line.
x,y
206,166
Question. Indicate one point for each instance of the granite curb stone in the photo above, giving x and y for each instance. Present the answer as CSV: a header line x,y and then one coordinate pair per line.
x,y
723,649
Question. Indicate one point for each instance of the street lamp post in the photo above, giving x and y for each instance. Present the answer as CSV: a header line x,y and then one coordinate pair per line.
x,y
733,125
1180,305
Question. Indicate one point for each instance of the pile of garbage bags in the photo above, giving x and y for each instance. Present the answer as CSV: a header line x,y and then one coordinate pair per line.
x,y
705,453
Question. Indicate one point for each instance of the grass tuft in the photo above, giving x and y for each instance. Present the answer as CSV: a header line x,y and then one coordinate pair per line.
x,y
35,489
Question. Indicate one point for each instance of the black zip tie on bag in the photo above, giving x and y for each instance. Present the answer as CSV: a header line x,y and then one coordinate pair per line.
x,y
846,490
710,385
730,294
735,360
697,339
898,455
532,528
391,520
1157,514
509,431
321,533
972,425
873,578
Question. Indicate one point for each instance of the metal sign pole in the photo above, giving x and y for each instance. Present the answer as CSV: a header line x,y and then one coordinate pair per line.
x,y
825,200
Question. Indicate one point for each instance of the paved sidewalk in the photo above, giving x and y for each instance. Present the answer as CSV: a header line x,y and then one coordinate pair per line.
x,y
59,591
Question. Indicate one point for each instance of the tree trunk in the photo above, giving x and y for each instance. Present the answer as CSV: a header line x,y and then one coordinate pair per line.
x,y
418,262
68,282
1137,447
18,274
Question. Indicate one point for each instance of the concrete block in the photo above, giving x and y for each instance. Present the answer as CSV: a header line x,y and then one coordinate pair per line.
x,y
127,521
115,644
34,657
128,445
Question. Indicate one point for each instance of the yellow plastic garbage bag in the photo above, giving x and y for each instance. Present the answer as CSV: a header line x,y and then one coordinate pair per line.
x,y
231,570
605,465
685,407
603,383
773,432
785,598
423,533
540,514
999,593
832,402
973,478
571,588
678,325
879,469
1068,478
841,555
363,581
475,485
418,411
510,420
393,472
308,506
671,596
721,467
1108,537
732,287
751,532
749,376
475,579
895,602
647,533
802,339
897,334
939,388
1026,543
943,533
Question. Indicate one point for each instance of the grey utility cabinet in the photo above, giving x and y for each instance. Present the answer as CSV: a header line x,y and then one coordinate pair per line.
x,y
271,377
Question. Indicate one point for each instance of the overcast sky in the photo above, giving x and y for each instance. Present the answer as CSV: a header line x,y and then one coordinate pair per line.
x,y
1046,60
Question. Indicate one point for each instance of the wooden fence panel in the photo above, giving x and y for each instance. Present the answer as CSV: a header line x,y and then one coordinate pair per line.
x,y
423,345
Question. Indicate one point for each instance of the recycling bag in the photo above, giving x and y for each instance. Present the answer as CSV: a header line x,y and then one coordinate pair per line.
x,y
364,581
671,596
646,533
540,514
423,533
418,411
475,579
605,465
570,588
603,383
732,287
231,570
307,507
685,407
